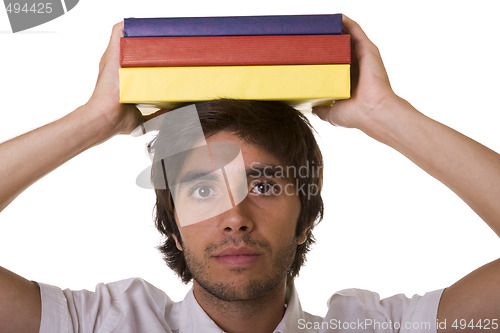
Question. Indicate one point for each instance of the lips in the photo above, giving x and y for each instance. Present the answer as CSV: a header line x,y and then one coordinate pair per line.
x,y
241,256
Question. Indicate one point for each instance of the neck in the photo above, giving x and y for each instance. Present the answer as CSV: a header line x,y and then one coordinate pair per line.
x,y
259,315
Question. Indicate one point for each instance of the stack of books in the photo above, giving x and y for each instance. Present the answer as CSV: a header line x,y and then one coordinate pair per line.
x,y
300,59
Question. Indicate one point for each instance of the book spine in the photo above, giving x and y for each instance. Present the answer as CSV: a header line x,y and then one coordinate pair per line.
x,y
181,84
234,25
234,50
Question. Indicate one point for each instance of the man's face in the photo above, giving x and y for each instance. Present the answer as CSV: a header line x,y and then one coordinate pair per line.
x,y
244,252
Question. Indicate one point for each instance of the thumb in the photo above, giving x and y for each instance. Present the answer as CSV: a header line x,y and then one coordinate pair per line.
x,y
333,114
322,111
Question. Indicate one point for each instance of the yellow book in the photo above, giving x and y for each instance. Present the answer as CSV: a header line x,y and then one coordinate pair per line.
x,y
300,85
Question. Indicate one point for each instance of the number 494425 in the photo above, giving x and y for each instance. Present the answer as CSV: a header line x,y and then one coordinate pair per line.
x,y
35,8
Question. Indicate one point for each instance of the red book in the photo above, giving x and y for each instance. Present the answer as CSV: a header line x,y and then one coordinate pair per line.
x,y
234,50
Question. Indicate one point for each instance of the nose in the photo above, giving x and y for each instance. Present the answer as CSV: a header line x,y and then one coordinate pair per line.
x,y
237,220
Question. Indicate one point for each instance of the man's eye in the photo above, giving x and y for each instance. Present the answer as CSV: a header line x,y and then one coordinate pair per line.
x,y
202,192
264,188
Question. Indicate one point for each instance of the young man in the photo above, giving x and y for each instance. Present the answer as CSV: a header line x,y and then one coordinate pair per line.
x,y
241,259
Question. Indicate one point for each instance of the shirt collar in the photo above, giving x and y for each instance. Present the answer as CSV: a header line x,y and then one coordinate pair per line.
x,y
292,314
194,319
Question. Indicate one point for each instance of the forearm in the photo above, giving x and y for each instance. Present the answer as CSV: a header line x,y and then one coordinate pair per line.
x,y
468,168
27,158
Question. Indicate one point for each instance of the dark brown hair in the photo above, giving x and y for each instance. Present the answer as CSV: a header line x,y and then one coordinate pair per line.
x,y
277,128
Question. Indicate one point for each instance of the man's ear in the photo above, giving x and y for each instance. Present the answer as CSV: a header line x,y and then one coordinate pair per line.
x,y
177,243
303,235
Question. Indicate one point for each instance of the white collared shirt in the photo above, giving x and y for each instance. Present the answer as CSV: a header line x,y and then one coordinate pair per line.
x,y
135,306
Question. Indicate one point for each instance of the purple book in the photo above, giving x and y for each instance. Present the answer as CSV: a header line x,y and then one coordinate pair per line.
x,y
234,25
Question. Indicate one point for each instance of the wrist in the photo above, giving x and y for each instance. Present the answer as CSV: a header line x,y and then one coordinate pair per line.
x,y
388,120
93,126
112,118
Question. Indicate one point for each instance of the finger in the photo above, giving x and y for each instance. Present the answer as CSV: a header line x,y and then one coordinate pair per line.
x,y
114,40
361,44
322,111
336,114
151,122
156,114
134,120
327,113
116,34
365,53
353,28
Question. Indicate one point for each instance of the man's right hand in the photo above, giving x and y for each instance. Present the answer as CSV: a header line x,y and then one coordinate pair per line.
x,y
104,102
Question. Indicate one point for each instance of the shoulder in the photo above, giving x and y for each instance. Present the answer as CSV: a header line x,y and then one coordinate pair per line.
x,y
127,302
358,306
133,288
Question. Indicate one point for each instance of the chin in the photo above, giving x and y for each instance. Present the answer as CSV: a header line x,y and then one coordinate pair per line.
x,y
240,288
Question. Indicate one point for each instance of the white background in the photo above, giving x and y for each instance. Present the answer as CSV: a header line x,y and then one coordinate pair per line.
x,y
388,227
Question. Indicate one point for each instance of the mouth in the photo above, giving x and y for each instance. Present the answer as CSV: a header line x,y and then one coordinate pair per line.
x,y
243,256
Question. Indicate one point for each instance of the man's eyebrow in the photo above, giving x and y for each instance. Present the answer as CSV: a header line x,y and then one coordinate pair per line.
x,y
268,171
193,175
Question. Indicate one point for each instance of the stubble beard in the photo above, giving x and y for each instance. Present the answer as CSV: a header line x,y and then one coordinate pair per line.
x,y
253,289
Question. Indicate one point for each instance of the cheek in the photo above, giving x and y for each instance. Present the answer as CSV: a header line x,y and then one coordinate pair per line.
x,y
196,236
282,216
290,206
